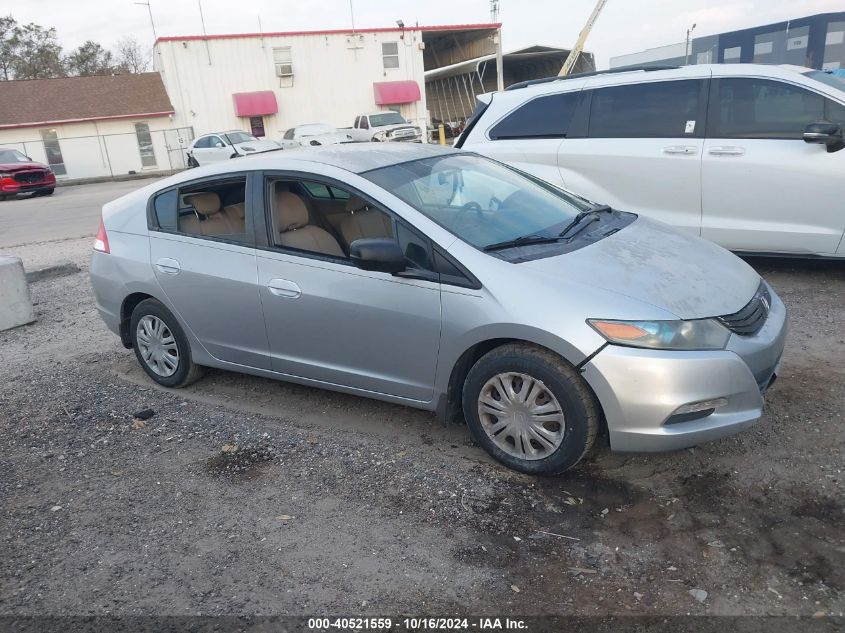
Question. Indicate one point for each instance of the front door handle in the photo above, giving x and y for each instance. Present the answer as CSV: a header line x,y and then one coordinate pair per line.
x,y
284,288
727,150
168,266
686,150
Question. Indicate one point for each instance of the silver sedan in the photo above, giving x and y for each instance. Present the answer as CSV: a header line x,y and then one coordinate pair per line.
x,y
446,281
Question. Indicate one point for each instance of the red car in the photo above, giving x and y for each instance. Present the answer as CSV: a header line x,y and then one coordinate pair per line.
x,y
20,174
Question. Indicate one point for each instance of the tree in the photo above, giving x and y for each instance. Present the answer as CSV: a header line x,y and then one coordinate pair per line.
x,y
89,59
8,45
35,53
130,57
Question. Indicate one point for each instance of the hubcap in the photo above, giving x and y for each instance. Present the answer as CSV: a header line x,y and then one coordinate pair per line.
x,y
157,346
521,416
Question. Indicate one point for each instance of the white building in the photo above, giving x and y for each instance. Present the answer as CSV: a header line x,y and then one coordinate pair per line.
x,y
265,83
86,127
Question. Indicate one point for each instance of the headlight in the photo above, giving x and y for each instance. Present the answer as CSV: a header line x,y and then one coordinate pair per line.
x,y
5,174
700,334
380,136
417,130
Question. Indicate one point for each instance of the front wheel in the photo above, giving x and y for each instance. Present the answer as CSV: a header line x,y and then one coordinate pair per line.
x,y
530,409
161,346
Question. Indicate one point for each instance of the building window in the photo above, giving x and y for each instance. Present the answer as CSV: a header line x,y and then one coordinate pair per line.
x,y
390,54
834,46
256,125
284,66
733,54
145,145
796,46
764,46
53,151
704,58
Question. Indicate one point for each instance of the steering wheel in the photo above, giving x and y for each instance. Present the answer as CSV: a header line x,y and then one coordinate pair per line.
x,y
469,206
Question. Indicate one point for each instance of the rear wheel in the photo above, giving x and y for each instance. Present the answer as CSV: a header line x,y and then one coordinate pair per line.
x,y
161,346
530,409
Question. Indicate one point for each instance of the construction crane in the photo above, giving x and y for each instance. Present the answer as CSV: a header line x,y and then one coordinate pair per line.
x,y
575,53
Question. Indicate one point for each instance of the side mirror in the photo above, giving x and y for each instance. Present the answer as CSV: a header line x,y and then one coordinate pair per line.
x,y
219,144
380,254
825,133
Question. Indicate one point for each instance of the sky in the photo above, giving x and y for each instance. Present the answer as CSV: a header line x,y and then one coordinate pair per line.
x,y
625,26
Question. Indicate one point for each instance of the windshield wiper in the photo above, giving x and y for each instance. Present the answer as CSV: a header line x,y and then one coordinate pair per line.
x,y
592,212
523,240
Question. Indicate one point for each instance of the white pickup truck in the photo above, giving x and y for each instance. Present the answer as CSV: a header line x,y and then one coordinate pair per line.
x,y
387,126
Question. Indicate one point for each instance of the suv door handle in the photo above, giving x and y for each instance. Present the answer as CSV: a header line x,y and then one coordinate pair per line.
x,y
726,150
168,266
284,288
687,150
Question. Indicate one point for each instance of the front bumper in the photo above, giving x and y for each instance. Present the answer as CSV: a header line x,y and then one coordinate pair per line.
x,y
8,186
640,389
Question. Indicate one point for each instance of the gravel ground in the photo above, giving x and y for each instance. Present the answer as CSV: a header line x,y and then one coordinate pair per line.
x,y
247,496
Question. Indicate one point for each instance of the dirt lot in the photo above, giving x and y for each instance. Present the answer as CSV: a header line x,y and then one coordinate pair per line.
x,y
247,496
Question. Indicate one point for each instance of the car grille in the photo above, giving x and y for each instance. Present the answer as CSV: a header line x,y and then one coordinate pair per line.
x,y
751,318
36,175
402,133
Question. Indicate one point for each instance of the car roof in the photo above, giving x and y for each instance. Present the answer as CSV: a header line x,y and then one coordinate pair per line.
x,y
646,74
354,157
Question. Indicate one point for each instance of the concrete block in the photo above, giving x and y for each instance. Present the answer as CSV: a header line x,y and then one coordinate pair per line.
x,y
51,272
15,304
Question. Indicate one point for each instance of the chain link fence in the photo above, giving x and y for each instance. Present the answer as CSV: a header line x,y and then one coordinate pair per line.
x,y
109,155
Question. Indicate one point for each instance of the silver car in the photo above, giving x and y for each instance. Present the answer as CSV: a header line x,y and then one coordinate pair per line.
x,y
446,281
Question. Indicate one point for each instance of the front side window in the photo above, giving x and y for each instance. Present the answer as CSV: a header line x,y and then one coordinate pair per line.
x,y
213,209
543,117
390,55
479,200
664,109
321,219
145,145
54,151
762,108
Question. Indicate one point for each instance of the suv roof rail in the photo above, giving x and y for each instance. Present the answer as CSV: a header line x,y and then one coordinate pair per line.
x,y
621,69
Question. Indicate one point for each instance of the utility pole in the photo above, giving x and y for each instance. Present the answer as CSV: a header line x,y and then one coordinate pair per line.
x,y
500,65
152,22
202,21
686,48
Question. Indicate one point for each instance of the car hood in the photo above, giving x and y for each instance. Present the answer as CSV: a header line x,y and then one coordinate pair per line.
x,y
248,147
390,128
654,263
21,166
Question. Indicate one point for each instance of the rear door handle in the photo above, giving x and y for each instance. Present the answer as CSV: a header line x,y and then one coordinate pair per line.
x,y
284,288
686,150
727,150
168,266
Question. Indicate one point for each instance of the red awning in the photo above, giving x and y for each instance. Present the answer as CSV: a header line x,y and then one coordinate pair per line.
x,y
255,103
392,92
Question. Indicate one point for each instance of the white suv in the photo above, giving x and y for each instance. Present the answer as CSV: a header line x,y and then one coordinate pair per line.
x,y
745,155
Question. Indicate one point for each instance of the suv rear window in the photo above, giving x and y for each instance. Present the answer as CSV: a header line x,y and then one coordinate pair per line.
x,y
543,117
663,109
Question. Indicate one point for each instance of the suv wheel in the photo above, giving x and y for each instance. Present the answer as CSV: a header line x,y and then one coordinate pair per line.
x,y
161,346
530,409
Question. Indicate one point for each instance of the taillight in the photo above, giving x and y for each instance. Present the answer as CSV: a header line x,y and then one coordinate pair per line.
x,y
101,242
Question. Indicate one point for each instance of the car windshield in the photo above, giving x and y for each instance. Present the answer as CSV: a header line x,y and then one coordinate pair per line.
x,y
239,137
313,129
388,118
479,200
12,156
837,81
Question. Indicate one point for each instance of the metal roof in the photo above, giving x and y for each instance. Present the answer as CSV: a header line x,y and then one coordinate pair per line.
x,y
527,53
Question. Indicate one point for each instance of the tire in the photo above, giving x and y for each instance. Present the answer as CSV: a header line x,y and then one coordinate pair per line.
x,y
45,192
163,367
555,385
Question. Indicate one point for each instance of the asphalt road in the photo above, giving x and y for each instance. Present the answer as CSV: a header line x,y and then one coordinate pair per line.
x,y
72,211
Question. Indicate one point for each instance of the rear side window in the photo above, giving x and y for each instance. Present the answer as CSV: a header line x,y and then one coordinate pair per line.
x,y
762,108
664,109
543,117
165,210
